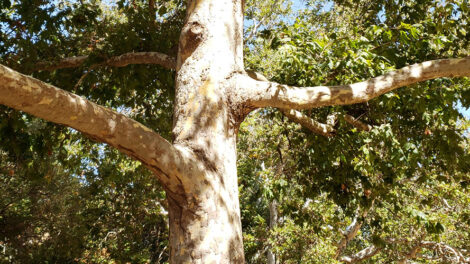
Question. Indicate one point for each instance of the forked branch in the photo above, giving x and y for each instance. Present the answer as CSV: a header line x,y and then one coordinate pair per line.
x,y
30,95
257,93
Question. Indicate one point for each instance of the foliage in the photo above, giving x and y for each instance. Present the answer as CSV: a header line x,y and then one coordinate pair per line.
x,y
64,198
402,170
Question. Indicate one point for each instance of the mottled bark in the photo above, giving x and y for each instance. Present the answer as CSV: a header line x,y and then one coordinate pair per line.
x,y
263,94
362,255
206,227
410,255
440,251
30,95
213,94
352,230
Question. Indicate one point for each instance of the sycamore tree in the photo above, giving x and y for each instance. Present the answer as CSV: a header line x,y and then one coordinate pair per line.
x,y
130,53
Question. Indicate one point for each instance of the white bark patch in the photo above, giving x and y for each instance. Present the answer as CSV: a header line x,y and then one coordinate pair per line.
x,y
358,90
207,89
428,64
27,88
416,71
383,81
165,159
112,125
137,125
82,102
46,101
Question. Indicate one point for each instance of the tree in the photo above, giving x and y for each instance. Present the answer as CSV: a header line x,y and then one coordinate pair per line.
x,y
213,95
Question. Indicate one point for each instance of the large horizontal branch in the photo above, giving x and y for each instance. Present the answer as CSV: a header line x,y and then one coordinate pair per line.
x,y
117,61
258,93
30,95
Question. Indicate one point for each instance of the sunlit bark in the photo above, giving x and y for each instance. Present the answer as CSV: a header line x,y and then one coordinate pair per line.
x,y
263,94
30,95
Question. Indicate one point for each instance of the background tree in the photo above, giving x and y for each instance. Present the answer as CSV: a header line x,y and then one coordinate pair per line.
x,y
342,163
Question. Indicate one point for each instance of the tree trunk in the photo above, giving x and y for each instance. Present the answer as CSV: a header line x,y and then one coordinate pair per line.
x,y
205,225
213,95
273,219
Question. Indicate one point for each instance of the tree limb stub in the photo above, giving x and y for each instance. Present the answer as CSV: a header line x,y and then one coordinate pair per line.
x,y
30,95
117,61
259,93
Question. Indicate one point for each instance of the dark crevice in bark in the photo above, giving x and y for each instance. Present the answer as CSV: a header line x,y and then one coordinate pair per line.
x,y
193,34
209,164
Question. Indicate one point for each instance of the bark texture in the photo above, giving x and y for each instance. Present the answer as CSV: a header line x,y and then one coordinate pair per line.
x,y
206,226
213,94
30,95
264,94
362,255
357,123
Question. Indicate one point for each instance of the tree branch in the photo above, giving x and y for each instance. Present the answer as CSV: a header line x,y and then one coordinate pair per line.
x,y
356,123
411,254
441,249
364,254
351,230
258,93
30,95
117,61
309,123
